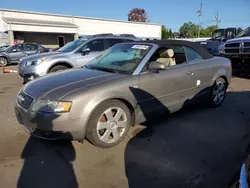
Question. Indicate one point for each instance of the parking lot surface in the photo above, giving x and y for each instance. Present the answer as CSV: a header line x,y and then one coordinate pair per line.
x,y
196,147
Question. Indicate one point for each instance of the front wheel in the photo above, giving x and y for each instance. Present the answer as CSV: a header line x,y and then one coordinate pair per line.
x,y
218,92
109,124
3,62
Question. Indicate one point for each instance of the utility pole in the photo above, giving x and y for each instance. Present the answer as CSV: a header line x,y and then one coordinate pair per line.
x,y
217,19
199,16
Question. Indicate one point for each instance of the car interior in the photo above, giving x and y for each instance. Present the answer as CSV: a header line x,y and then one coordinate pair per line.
x,y
170,56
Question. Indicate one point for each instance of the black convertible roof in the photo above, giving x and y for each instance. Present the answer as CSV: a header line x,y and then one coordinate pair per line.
x,y
164,43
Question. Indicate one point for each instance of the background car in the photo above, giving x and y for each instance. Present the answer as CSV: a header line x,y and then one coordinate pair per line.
x,y
237,48
14,53
121,88
74,54
218,37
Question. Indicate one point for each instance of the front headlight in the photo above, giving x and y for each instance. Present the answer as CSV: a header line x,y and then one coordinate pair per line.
x,y
52,106
35,62
221,48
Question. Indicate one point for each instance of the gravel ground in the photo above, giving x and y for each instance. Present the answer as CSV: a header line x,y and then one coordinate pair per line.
x,y
196,147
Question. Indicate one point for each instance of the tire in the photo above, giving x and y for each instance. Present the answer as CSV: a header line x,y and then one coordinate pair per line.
x,y
111,129
218,92
3,62
58,68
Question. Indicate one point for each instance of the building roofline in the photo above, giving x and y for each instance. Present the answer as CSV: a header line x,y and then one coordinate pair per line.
x,y
20,21
82,17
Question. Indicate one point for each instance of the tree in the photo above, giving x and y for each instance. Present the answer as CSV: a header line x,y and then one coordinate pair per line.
x,y
189,30
138,15
207,32
170,33
164,32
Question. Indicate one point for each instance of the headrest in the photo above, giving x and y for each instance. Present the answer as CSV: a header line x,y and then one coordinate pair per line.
x,y
167,54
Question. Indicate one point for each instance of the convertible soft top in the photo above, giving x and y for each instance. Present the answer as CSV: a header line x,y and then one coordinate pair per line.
x,y
197,47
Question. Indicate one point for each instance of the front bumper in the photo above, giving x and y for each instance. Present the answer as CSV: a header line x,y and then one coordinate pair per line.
x,y
51,126
28,73
27,77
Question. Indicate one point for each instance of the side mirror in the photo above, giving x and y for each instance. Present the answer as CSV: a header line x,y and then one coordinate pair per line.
x,y
85,51
156,66
14,50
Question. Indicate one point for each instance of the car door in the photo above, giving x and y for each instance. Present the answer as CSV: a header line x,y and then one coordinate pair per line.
x,y
16,52
30,49
169,88
95,46
203,70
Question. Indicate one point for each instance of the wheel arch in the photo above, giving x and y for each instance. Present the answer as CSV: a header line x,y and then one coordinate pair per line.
x,y
123,100
224,78
64,63
221,74
5,58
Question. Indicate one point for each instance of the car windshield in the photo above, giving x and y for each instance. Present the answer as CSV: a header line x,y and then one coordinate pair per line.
x,y
121,58
69,47
6,49
218,33
244,33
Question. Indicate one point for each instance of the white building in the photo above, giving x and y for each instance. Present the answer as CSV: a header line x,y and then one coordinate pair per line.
x,y
54,30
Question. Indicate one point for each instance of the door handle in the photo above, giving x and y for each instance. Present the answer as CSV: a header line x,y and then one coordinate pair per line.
x,y
191,73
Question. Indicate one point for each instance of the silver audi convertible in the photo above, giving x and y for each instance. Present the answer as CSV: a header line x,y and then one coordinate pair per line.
x,y
121,88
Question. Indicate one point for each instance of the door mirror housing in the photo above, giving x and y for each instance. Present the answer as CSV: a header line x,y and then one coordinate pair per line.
x,y
85,51
14,50
156,66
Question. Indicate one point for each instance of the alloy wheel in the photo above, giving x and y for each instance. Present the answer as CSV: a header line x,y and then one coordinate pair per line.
x,y
3,62
112,125
219,92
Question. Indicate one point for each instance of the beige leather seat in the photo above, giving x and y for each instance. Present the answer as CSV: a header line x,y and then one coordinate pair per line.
x,y
166,58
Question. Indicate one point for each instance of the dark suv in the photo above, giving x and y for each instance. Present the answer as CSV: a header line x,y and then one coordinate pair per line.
x,y
13,53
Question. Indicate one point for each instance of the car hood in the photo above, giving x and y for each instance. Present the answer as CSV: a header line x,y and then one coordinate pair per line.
x,y
42,55
56,85
238,39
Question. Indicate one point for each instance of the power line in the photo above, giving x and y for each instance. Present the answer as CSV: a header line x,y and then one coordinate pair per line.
x,y
199,16
217,19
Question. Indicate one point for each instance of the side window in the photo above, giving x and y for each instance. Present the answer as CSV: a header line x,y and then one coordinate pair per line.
x,y
179,54
169,56
17,48
95,45
112,42
29,47
192,55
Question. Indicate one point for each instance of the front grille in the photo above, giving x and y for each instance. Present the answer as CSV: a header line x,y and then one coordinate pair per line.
x,y
233,51
24,100
246,50
232,45
247,44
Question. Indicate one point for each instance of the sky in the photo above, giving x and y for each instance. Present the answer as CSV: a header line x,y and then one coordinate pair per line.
x,y
171,13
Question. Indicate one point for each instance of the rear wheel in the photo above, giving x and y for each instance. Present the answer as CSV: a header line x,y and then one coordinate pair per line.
x,y
58,68
3,62
218,92
109,124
